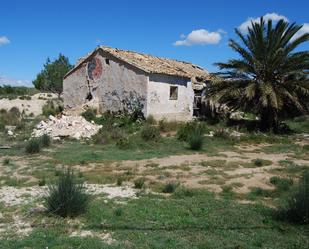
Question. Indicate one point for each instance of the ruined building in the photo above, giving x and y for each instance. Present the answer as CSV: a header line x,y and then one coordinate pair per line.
x,y
123,80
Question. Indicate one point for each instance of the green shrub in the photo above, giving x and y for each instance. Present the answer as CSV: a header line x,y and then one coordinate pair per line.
x,y
170,187
123,143
282,184
306,147
89,114
33,146
118,211
139,183
261,162
6,161
45,140
195,141
151,120
67,198
165,126
258,162
150,133
42,182
100,137
296,207
2,126
119,181
51,108
186,130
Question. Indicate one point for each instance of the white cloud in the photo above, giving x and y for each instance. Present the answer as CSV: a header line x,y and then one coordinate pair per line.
x,y
200,37
4,40
269,16
302,31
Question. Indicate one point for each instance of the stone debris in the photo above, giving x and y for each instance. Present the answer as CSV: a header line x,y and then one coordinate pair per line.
x,y
111,191
66,126
12,196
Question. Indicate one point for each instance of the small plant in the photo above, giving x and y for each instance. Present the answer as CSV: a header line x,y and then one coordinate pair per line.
x,y
187,129
67,198
123,143
261,162
89,114
42,182
118,211
6,161
195,141
100,137
139,183
258,162
296,207
150,120
170,187
45,140
150,133
119,181
33,146
51,108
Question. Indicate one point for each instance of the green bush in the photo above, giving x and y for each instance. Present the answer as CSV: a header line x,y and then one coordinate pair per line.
x,y
51,108
119,181
165,126
139,183
89,114
45,140
170,187
282,184
150,133
296,207
123,143
67,198
6,161
195,141
150,120
2,126
100,137
258,162
42,182
186,130
33,146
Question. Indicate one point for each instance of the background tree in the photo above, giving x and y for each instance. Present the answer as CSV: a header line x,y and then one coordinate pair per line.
x,y
51,77
269,79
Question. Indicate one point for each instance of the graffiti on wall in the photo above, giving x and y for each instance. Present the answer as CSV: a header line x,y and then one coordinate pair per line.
x,y
94,68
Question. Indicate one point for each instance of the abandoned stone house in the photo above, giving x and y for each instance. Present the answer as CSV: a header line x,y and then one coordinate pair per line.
x,y
123,80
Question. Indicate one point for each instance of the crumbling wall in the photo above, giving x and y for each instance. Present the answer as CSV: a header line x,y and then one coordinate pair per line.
x,y
75,88
159,104
123,87
115,85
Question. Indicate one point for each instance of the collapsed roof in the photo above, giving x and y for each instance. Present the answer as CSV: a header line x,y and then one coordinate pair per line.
x,y
152,64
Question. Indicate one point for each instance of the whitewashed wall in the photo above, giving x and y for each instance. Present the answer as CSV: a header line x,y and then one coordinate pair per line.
x,y
159,104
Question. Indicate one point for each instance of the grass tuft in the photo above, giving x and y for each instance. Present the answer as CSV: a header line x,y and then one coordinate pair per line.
x,y
67,198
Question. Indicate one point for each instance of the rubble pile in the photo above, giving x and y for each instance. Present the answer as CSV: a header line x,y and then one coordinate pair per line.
x,y
66,126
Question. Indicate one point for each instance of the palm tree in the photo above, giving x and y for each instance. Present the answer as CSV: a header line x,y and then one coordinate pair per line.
x,y
269,79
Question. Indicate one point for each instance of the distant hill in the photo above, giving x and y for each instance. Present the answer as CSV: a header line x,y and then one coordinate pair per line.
x,y
13,82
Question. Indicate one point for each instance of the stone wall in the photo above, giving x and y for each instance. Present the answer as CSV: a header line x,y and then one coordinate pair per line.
x,y
159,104
113,84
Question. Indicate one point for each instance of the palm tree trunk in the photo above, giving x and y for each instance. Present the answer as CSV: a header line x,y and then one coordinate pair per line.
x,y
269,120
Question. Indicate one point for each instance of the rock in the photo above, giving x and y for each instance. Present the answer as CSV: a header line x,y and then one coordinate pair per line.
x,y
10,133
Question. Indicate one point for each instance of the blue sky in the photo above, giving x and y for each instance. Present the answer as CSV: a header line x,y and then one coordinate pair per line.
x,y
195,31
